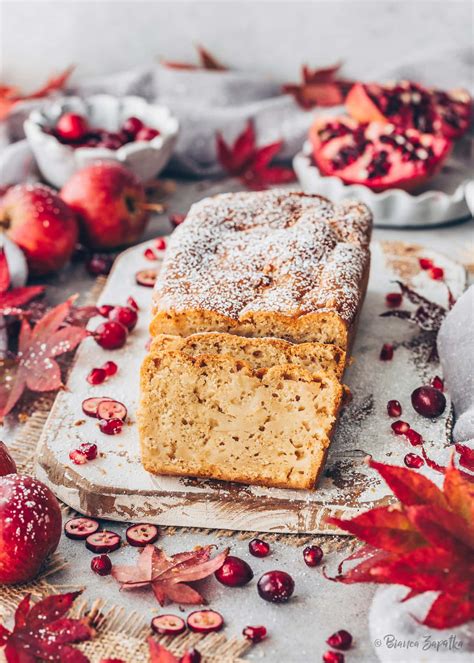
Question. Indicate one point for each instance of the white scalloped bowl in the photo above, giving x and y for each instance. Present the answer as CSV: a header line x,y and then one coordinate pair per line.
x,y
392,208
57,162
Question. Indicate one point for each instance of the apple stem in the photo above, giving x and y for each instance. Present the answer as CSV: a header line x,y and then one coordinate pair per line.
x,y
154,207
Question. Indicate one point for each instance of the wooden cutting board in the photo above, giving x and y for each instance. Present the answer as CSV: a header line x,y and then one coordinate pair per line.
x,y
116,487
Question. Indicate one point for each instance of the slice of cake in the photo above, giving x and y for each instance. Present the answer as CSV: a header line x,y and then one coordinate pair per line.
x,y
217,416
273,263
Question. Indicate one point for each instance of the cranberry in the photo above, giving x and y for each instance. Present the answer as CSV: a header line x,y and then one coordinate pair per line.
x,y
413,461
126,316
96,376
99,264
132,126
147,133
259,548
386,353
101,565
103,542
400,427
110,140
111,335
340,640
80,528
146,277
71,127
312,555
393,299
191,656
428,401
436,273
333,657
110,368
149,254
132,303
437,383
205,621
394,409
255,633
276,586
426,263
235,572
160,244
413,437
168,625
105,309
142,534
111,426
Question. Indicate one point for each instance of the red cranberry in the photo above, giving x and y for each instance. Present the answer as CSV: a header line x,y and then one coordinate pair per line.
x,y
104,310
437,383
400,427
426,263
386,353
436,273
428,401
160,244
111,426
312,555
340,640
393,299
255,633
276,586
259,548
413,437
126,316
132,303
235,572
147,133
111,335
149,254
110,140
71,126
413,461
96,376
132,126
110,368
394,409
333,657
99,264
101,565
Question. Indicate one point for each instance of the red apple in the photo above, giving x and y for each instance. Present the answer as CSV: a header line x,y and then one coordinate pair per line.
x,y
40,223
30,527
7,464
109,202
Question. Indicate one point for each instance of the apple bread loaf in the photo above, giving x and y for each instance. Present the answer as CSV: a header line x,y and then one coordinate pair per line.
x,y
274,263
214,415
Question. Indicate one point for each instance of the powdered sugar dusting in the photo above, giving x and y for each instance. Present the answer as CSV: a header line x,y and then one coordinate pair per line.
x,y
274,251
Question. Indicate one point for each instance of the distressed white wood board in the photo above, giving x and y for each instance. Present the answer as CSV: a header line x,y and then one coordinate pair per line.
x,y
115,486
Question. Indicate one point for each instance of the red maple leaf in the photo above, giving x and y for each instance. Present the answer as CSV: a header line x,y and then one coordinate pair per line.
x,y
319,87
43,632
251,164
159,654
9,95
206,61
35,366
168,576
12,300
425,542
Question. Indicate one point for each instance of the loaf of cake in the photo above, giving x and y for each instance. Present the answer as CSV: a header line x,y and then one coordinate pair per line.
x,y
216,416
269,264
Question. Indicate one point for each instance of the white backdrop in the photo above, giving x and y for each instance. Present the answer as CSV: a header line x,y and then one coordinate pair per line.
x,y
103,36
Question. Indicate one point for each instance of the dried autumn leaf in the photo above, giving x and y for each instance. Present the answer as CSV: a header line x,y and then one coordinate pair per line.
x,y
425,542
319,87
36,367
12,300
159,654
9,96
206,59
167,576
43,632
251,164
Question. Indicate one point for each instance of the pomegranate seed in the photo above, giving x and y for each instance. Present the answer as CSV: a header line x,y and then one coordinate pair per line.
x,y
436,273
168,625
386,353
235,572
340,640
150,254
147,133
428,401
413,461
333,657
77,457
89,449
255,633
437,383
101,565
426,263
110,368
99,264
205,621
80,528
111,426
177,219
132,126
276,586
394,409
103,542
413,437
132,303
312,555
96,376
393,299
142,534
104,310
110,335
400,427
125,315
160,244
191,656
71,126
259,548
